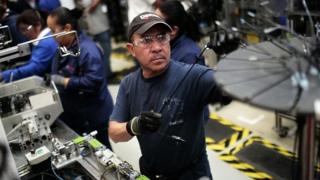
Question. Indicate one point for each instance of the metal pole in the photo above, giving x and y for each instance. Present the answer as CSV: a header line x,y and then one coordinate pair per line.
x,y
307,148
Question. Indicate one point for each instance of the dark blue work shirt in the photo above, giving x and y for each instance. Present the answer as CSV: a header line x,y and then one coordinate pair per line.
x,y
86,98
185,50
182,114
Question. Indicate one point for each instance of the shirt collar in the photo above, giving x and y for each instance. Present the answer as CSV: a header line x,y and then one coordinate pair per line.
x,y
43,33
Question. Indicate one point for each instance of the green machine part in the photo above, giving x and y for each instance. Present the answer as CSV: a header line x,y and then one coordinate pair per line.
x,y
142,177
95,144
78,140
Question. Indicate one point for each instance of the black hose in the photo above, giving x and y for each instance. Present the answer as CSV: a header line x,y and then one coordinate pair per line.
x,y
3,154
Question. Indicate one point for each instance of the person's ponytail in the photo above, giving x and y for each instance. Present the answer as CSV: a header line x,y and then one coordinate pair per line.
x,y
192,29
76,12
65,16
175,15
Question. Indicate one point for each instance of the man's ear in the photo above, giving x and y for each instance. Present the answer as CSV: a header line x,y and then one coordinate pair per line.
x,y
130,49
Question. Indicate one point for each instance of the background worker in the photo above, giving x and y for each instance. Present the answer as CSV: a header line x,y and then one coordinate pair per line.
x,y
32,26
81,79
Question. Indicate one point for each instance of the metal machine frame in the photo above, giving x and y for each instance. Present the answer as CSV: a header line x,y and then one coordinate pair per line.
x,y
28,108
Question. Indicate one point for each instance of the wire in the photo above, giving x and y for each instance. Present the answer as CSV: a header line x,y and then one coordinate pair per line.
x,y
18,126
102,175
46,174
3,163
54,172
105,171
164,132
309,16
118,174
11,77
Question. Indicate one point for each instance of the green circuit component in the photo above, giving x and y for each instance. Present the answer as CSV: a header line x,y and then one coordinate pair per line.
x,y
142,177
95,144
78,140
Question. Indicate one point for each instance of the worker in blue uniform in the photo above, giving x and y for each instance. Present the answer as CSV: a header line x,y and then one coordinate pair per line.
x,y
163,104
32,26
184,36
185,32
81,79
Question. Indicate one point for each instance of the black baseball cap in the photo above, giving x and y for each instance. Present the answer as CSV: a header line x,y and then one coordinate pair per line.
x,y
143,22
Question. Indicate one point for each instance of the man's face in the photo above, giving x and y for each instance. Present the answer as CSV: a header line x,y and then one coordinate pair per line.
x,y
30,31
152,50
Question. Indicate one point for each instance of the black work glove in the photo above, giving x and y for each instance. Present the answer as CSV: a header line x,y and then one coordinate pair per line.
x,y
218,96
146,122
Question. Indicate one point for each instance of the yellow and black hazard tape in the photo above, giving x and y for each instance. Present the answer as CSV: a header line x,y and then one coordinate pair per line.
x,y
247,169
240,133
265,143
230,157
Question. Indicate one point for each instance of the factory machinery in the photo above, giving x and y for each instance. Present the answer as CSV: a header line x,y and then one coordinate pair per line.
x,y
29,109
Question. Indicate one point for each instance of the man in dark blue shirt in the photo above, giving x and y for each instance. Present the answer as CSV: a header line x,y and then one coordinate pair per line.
x,y
163,103
184,36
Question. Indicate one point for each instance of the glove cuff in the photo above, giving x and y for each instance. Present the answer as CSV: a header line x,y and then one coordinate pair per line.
x,y
133,126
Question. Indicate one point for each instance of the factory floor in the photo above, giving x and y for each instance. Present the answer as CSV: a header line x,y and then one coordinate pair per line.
x,y
230,154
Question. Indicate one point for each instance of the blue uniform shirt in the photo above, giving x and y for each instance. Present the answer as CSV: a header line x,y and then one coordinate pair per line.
x,y
182,115
185,50
48,5
39,63
86,100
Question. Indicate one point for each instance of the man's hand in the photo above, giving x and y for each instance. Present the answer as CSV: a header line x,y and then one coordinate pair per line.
x,y
60,80
147,122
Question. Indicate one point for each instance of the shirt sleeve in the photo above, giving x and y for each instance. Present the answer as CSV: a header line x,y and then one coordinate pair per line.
x,y
212,93
38,64
205,87
92,74
120,111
